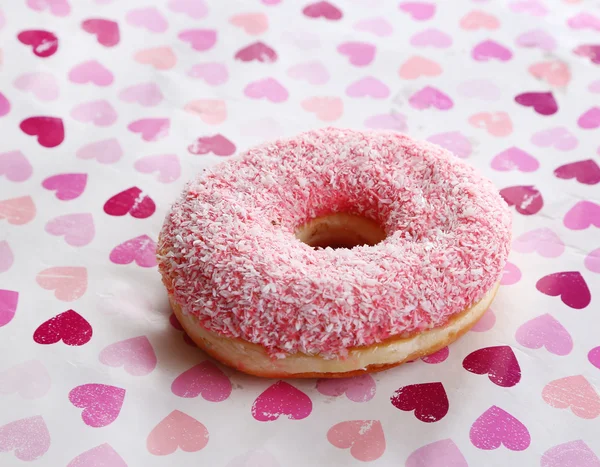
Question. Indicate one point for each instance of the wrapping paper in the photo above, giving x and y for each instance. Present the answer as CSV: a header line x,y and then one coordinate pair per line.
x,y
107,107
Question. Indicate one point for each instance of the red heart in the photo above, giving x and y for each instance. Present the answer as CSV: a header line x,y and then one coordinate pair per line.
x,y
586,172
50,131
499,363
428,400
570,285
106,31
218,145
70,327
132,201
527,199
44,43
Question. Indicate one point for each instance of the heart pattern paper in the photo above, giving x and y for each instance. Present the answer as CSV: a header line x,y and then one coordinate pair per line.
x,y
107,108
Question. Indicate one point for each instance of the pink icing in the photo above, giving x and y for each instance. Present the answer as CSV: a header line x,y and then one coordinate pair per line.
x,y
232,259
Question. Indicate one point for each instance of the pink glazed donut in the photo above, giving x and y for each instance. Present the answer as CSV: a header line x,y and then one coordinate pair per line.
x,y
333,253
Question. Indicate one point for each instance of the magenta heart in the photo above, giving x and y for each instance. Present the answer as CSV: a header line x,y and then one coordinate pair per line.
x,y
527,199
359,53
392,121
69,326
199,39
136,355
131,201
437,357
499,363
217,144
140,249
106,31
67,186
442,453
570,285
594,357
43,43
358,388
15,166
91,72
151,129
542,102
428,400
488,50
368,87
323,10
420,11
101,403
586,172
430,97
590,51
257,51
515,158
268,88
204,379
545,331
8,306
574,453
495,427
590,119
583,215
28,438
50,131
100,456
279,399
453,141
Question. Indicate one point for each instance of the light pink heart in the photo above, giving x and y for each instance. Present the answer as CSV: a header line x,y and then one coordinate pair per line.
x,y
573,453
431,38
28,438
590,119
592,261
199,39
537,38
77,229
545,331
30,380
212,73
497,427
195,9
68,283
161,58
575,393
167,166
148,18
91,72
453,141
543,241
378,26
100,113
18,211
146,94
559,138
268,88
140,249
358,388
135,355
515,159
364,438
251,23
531,7
107,151
67,186
584,21
420,11
15,166
583,215
430,97
41,84
6,257
392,121
358,53
151,129
101,403
479,89
327,109
368,87
177,430
205,379
486,322
211,111
313,72
56,7
442,453
100,456
511,274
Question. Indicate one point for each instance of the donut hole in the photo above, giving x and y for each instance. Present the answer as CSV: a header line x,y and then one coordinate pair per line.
x,y
340,230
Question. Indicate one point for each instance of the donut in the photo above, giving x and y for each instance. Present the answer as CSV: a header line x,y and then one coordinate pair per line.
x,y
333,253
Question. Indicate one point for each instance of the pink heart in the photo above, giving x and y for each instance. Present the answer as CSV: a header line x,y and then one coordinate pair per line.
x,y
584,21
327,109
28,438
586,172
78,229
100,113
212,73
195,9
526,199
161,58
18,211
68,283
151,129
6,258
392,121
545,331
537,38
255,458
515,158
257,51
167,166
419,11
43,85
479,20
543,241
495,427
177,430
496,123
91,72
378,26
251,23
29,379
437,357
146,94
106,151
486,322
365,438
359,53
268,88
106,31
140,249
542,102
590,119
56,7
575,393
15,166
531,7
594,357
148,18
199,39
101,403
368,87
570,285
592,261
312,72
9,300
217,144
553,72
323,10
575,453
453,141
279,399
211,111
358,388
4,105
583,215
442,453
488,50
430,97
417,66
204,379
100,456
135,355
559,138
510,275
67,186
431,38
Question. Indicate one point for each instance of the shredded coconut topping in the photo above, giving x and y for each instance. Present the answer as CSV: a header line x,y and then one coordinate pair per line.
x,y
229,256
